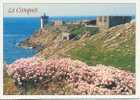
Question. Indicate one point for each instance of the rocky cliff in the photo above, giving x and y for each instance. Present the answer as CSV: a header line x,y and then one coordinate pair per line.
x,y
115,46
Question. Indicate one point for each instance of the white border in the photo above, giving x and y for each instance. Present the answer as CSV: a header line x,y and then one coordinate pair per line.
x,y
1,46
73,96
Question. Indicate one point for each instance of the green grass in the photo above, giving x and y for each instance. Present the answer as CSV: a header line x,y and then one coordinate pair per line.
x,y
80,30
93,55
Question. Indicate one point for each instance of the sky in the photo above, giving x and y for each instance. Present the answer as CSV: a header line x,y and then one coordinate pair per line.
x,y
34,10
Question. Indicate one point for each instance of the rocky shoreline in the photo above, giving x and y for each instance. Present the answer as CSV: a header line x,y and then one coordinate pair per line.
x,y
26,45
30,43
42,39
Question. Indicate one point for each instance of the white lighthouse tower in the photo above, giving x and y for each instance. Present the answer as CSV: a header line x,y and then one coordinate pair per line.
x,y
43,21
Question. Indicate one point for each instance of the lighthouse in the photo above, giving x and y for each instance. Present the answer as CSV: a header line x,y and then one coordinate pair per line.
x,y
43,21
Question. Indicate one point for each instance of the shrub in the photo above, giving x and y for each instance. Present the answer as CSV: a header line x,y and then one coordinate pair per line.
x,y
82,79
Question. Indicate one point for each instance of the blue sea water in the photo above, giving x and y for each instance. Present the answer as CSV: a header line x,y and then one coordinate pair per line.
x,y
18,29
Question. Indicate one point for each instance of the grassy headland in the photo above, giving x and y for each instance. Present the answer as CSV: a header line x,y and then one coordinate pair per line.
x,y
114,47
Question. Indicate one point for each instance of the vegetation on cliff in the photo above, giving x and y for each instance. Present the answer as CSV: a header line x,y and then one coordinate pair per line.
x,y
115,46
81,66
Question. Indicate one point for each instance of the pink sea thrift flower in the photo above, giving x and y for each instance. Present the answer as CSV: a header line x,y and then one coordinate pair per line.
x,y
82,79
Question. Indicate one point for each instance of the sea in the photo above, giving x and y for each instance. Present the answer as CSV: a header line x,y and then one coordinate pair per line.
x,y
17,29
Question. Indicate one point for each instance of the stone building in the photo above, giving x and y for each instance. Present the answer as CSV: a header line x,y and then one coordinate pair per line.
x,y
104,22
65,36
58,23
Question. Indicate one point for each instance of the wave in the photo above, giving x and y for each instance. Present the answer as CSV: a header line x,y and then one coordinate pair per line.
x,y
13,35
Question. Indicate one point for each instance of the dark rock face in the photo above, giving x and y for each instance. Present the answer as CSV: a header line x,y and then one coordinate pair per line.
x,y
105,22
117,20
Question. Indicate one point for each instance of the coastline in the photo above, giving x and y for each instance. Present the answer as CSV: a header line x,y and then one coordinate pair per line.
x,y
28,44
50,44
84,52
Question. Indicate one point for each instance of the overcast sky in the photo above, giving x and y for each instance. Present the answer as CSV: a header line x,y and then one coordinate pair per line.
x,y
70,9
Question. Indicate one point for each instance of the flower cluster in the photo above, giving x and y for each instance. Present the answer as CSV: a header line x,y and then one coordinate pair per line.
x,y
27,69
82,79
102,79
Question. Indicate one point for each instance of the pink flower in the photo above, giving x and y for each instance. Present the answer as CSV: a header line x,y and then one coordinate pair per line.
x,y
82,79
